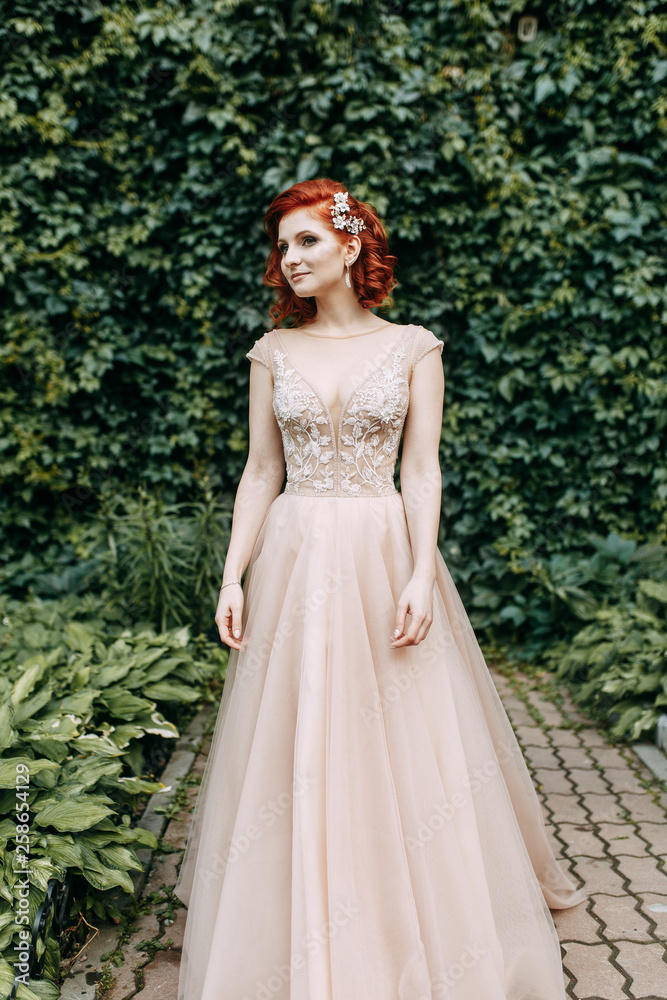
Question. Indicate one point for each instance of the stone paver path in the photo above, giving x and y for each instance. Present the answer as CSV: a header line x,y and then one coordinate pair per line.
x,y
606,815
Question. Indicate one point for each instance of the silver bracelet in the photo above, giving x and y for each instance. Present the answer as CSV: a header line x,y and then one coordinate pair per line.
x,y
230,583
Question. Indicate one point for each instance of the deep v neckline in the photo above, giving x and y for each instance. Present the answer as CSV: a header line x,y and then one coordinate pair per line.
x,y
335,433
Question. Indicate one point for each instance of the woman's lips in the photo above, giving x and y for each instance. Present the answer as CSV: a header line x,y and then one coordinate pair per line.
x,y
299,274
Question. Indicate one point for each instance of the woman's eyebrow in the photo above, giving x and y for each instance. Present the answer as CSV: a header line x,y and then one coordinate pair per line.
x,y
302,233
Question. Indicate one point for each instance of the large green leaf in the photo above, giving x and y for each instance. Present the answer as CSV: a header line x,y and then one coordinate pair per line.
x,y
119,857
79,635
10,767
6,731
101,746
71,817
172,691
655,589
156,724
64,850
125,705
108,878
31,673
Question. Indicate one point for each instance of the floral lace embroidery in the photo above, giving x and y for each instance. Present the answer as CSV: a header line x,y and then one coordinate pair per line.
x,y
300,414
374,414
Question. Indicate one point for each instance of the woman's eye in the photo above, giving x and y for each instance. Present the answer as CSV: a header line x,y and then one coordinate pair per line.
x,y
282,249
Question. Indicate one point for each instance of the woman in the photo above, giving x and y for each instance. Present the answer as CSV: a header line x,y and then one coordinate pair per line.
x,y
366,828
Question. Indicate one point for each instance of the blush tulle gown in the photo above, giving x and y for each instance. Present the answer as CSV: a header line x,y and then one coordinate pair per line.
x,y
366,827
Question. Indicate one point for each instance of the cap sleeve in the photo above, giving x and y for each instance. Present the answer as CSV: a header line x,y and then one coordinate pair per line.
x,y
424,342
258,352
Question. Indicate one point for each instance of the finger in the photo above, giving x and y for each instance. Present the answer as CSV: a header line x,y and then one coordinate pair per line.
x,y
425,627
421,635
401,613
416,632
403,641
228,639
224,620
423,623
236,623
224,632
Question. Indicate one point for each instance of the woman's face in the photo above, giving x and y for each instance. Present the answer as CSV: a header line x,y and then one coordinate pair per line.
x,y
312,257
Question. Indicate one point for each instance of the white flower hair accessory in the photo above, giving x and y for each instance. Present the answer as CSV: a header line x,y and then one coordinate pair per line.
x,y
339,209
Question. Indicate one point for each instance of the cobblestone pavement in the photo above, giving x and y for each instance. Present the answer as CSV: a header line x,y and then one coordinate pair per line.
x,y
606,817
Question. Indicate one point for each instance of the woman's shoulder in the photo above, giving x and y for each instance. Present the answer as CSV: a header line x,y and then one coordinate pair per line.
x,y
264,346
423,342
260,351
268,335
419,328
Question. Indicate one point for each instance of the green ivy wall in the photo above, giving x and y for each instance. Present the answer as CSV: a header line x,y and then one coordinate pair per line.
x,y
524,187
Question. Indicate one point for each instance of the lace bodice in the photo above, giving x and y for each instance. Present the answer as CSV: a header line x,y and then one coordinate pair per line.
x,y
361,383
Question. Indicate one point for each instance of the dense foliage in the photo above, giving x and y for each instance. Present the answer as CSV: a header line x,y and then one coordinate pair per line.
x,y
615,664
83,698
524,187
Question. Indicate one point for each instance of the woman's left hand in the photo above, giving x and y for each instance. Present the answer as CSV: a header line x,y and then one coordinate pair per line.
x,y
417,601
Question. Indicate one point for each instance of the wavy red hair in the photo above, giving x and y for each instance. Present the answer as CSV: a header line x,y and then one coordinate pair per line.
x,y
373,272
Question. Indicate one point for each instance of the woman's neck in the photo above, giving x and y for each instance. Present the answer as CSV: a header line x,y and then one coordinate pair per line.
x,y
341,314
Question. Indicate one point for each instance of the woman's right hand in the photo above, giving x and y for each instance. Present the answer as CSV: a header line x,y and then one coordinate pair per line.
x,y
229,613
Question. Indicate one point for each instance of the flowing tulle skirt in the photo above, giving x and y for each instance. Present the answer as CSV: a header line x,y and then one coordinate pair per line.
x,y
366,828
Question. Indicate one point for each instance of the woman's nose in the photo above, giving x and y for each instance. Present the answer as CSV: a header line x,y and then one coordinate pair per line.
x,y
291,257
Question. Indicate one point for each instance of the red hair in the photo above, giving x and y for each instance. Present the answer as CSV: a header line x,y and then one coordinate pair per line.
x,y
373,274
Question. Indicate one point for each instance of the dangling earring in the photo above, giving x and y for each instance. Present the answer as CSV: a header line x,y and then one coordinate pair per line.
x,y
347,276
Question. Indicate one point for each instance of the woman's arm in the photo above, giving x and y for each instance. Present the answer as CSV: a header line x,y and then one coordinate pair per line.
x,y
260,484
421,489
